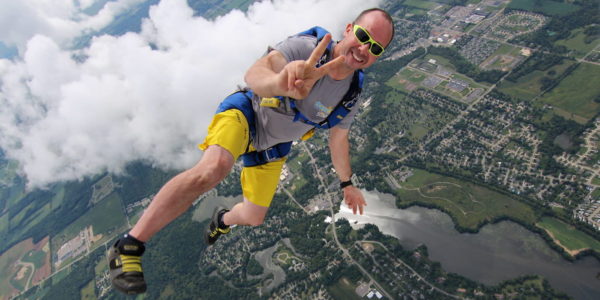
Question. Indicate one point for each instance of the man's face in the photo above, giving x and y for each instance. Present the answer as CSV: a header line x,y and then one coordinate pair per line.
x,y
357,55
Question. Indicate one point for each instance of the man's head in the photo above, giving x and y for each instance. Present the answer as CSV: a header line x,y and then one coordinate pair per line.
x,y
364,39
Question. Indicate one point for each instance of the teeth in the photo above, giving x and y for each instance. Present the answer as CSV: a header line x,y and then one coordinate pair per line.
x,y
356,57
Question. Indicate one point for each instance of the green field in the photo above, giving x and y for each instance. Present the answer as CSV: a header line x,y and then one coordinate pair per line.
x,y
37,258
87,292
470,205
576,43
568,237
343,289
546,7
27,219
426,5
4,224
529,86
576,93
21,283
100,267
417,131
107,218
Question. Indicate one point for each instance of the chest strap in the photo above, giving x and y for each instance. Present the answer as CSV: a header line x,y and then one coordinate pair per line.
x,y
340,111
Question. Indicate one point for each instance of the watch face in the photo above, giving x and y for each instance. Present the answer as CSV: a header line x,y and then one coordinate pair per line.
x,y
354,179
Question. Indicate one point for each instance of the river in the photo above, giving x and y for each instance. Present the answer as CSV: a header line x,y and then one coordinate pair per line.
x,y
498,252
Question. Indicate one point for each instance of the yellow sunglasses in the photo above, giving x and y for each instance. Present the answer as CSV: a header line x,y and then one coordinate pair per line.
x,y
363,36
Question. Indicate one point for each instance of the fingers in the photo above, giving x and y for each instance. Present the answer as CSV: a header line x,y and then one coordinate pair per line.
x,y
357,205
319,50
326,68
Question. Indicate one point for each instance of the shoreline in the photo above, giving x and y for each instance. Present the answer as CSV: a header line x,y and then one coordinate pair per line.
x,y
570,255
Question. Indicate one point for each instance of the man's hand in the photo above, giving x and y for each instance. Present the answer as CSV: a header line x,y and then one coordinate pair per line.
x,y
354,199
298,77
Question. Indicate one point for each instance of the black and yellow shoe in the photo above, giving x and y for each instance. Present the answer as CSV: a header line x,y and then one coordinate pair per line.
x,y
125,263
214,230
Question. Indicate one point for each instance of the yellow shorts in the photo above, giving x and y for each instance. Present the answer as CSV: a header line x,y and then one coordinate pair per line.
x,y
229,129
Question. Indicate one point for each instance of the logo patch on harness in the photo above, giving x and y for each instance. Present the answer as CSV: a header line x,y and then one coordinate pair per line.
x,y
322,110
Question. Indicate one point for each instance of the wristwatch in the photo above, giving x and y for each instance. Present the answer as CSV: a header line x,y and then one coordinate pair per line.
x,y
351,181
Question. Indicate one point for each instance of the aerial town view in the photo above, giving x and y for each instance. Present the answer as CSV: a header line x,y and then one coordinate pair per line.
x,y
477,148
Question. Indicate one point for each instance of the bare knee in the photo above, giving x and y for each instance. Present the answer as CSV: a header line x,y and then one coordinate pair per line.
x,y
212,168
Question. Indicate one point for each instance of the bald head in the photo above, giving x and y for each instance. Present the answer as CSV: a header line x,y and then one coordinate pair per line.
x,y
380,13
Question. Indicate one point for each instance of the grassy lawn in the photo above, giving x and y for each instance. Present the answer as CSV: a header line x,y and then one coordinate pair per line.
x,y
417,131
469,204
343,289
576,42
87,292
568,237
100,267
407,80
576,93
596,180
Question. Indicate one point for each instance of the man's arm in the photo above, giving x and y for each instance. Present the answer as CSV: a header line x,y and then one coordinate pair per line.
x,y
272,75
339,147
262,75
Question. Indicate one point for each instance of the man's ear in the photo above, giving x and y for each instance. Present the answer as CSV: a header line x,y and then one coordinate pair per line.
x,y
349,29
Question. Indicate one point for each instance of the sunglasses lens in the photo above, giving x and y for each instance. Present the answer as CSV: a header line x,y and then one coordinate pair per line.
x,y
376,49
362,36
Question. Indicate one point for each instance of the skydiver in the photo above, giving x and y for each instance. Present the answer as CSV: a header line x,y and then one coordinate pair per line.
x,y
259,124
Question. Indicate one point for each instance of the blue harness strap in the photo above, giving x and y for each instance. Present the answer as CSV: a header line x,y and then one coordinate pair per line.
x,y
242,101
341,109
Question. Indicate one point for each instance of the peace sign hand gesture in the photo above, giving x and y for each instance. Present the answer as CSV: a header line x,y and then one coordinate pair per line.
x,y
298,77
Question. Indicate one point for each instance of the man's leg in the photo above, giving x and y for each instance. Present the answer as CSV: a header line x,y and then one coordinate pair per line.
x,y
177,195
227,138
245,213
259,184
173,199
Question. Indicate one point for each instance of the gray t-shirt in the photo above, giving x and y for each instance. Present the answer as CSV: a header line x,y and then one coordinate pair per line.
x,y
276,125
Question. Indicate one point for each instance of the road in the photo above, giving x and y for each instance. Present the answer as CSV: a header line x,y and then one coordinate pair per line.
x,y
345,251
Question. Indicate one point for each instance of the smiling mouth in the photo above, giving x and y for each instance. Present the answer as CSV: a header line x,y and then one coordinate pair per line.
x,y
356,57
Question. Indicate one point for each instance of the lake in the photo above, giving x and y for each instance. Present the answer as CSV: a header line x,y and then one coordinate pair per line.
x,y
498,252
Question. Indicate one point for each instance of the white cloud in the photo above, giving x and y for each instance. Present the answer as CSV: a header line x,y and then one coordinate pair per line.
x,y
61,20
63,119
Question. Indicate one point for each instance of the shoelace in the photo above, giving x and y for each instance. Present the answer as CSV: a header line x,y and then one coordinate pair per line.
x,y
219,230
131,263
